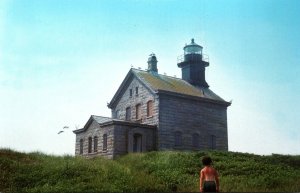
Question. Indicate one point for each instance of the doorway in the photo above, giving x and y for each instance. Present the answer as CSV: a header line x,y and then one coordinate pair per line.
x,y
137,142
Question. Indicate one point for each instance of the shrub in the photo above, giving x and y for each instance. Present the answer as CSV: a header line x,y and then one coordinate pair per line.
x,y
164,171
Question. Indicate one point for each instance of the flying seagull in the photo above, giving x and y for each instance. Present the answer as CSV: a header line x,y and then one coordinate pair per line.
x,y
60,132
66,127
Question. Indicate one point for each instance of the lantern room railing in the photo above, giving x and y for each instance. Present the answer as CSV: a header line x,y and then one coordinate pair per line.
x,y
192,58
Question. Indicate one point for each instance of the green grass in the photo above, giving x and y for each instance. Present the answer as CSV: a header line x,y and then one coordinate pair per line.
x,y
149,172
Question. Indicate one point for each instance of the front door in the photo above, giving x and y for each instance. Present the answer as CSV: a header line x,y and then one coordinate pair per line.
x,y
137,143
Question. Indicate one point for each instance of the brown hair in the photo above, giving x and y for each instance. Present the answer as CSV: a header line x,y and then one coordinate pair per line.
x,y
206,160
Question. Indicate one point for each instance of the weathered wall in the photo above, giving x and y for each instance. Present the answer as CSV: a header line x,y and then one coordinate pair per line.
x,y
170,114
124,139
191,116
92,131
119,139
144,95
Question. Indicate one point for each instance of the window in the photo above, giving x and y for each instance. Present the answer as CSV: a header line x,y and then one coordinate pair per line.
x,y
104,142
130,92
213,142
90,145
178,138
149,108
128,114
95,144
81,146
195,140
138,111
136,90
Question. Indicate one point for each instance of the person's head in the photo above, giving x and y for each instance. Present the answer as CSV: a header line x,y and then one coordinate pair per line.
x,y
206,160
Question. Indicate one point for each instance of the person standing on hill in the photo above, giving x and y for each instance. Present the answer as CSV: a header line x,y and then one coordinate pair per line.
x,y
209,177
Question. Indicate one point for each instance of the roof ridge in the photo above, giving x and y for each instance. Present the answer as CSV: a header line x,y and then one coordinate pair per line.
x,y
175,85
100,116
157,74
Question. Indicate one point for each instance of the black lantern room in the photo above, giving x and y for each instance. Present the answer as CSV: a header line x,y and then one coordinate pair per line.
x,y
193,64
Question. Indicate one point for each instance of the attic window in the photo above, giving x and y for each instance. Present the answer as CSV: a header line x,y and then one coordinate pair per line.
x,y
136,90
130,92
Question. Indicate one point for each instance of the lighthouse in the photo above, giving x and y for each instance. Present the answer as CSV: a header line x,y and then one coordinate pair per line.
x,y
193,64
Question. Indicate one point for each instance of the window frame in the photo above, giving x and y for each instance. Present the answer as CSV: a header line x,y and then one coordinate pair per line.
x,y
128,114
96,144
80,146
104,142
195,140
136,90
213,142
178,139
150,105
90,144
138,111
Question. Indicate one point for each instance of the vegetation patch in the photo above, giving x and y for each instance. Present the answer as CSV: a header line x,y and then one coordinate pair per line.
x,y
163,171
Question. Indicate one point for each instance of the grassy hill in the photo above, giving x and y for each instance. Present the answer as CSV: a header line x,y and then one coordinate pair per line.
x,y
149,172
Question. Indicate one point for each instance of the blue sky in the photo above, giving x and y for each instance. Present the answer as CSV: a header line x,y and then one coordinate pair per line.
x,y
61,61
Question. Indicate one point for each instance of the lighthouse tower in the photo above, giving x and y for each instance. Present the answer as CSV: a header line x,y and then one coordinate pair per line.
x,y
193,64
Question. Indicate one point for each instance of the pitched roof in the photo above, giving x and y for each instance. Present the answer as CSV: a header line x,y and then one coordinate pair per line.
x,y
101,120
109,121
159,82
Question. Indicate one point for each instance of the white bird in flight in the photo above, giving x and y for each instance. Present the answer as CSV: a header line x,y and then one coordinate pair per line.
x,y
61,131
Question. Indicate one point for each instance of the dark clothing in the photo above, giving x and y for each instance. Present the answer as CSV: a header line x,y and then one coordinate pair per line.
x,y
209,186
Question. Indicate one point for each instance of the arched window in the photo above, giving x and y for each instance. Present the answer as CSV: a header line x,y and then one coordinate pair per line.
x,y
104,142
149,108
95,144
90,145
128,114
138,111
178,138
81,146
195,140
213,143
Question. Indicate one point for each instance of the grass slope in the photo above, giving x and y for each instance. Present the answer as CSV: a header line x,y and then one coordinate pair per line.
x,y
148,172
